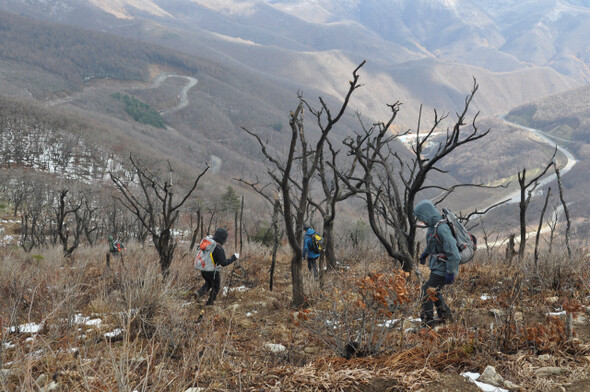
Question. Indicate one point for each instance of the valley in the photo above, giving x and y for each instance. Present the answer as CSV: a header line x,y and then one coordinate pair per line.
x,y
157,122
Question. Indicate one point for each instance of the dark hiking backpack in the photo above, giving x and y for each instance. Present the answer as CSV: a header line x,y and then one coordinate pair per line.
x,y
466,242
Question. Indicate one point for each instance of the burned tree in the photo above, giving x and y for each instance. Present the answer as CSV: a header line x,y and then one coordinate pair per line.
x,y
294,175
334,191
389,182
150,199
526,192
62,212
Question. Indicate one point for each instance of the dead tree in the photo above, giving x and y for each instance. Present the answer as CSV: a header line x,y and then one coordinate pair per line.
x,y
566,213
151,201
389,183
526,193
62,211
276,239
88,219
334,192
539,228
294,174
510,249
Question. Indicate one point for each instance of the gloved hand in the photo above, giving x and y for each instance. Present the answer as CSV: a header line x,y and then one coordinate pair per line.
x,y
449,278
237,255
423,257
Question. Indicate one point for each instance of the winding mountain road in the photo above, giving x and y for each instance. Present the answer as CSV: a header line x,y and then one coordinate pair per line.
x,y
182,95
514,197
157,82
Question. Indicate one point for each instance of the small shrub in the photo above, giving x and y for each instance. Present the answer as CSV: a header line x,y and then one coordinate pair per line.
x,y
358,322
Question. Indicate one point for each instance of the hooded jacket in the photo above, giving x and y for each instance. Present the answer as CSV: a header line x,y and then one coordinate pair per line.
x,y
307,242
219,258
445,245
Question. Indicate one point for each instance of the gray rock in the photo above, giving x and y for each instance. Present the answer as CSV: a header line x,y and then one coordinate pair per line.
x,y
490,376
552,300
42,380
580,321
275,348
511,386
549,371
52,386
545,357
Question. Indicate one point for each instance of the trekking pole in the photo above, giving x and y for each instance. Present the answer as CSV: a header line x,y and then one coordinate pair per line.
x,y
237,266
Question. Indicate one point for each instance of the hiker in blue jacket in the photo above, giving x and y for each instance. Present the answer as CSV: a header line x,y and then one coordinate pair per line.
x,y
312,257
443,258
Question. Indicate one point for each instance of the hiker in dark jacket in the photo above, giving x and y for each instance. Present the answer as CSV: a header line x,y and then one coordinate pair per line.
x,y
116,248
443,258
213,278
312,257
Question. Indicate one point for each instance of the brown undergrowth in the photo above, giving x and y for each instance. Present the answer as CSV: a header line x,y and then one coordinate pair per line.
x,y
127,329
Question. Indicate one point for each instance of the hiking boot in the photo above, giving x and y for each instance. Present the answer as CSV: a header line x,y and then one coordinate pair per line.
x,y
445,315
430,323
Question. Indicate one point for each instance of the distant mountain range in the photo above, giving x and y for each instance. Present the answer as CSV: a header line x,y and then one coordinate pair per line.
x,y
251,58
418,51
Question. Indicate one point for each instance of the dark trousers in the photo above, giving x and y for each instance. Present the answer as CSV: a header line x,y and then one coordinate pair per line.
x,y
312,265
438,282
213,283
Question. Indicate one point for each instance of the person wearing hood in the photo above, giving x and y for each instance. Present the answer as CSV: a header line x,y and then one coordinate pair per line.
x,y
443,258
116,248
312,256
213,278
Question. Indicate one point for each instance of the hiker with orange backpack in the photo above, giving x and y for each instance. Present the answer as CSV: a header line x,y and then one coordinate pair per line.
x,y
209,260
116,248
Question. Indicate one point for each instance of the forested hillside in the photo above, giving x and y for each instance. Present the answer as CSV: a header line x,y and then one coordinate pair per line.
x,y
78,55
565,116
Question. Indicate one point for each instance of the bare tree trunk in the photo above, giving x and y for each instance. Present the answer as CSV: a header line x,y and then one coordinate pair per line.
x,y
526,193
539,229
196,230
276,238
510,249
569,326
522,214
330,249
566,212
241,223
236,229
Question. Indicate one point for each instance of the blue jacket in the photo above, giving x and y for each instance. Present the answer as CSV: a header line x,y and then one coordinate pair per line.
x,y
445,246
307,245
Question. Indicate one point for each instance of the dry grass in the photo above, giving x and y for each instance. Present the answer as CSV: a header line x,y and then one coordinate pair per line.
x,y
170,341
